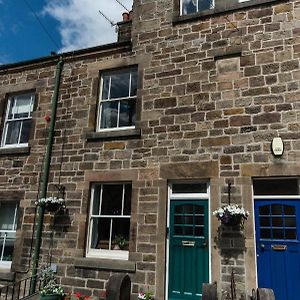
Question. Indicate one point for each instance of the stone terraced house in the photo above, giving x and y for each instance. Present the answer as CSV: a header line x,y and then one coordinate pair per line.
x,y
196,105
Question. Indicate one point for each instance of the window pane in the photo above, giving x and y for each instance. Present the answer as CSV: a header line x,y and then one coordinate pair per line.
x,y
278,234
7,214
25,131
112,199
109,114
133,88
8,250
96,200
264,210
291,234
105,87
13,130
184,188
290,222
100,233
127,200
11,104
265,233
276,209
276,186
204,4
22,107
277,222
289,210
119,85
189,6
264,221
127,113
120,234
199,231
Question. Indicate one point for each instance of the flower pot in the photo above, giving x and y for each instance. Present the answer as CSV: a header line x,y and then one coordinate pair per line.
x,y
51,297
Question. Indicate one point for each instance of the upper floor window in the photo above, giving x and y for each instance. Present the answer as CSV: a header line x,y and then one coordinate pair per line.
x,y
8,224
194,6
109,220
117,108
18,120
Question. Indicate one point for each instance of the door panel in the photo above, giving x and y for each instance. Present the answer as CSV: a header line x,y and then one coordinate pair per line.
x,y
277,247
188,249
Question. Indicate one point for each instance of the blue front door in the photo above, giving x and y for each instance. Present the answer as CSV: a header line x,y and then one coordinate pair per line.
x,y
277,247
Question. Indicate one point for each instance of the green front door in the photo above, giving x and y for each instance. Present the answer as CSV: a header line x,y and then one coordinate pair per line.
x,y
188,249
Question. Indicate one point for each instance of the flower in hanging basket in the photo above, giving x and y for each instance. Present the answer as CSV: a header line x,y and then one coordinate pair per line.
x,y
51,203
231,214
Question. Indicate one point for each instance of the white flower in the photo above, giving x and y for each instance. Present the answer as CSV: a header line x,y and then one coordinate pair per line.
x,y
142,296
50,200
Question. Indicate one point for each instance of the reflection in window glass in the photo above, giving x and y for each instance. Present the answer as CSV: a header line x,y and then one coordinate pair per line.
x,y
194,6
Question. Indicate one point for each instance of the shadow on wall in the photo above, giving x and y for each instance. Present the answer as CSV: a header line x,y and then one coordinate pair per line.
x,y
230,241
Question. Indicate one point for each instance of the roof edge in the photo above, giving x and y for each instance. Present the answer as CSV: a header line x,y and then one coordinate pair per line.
x,y
46,60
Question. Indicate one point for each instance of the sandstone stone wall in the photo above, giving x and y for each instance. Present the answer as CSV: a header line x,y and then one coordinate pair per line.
x,y
213,93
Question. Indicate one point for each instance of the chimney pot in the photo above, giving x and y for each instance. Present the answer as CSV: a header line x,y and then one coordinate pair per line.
x,y
125,16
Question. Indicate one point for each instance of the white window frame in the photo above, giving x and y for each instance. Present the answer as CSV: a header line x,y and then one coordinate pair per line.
x,y
129,97
197,11
104,253
7,264
7,121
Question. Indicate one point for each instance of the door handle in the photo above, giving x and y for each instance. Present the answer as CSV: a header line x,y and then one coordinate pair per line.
x,y
188,243
279,247
204,244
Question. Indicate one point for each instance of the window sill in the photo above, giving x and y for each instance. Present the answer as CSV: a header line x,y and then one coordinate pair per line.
x,y
113,134
219,10
6,274
105,264
14,150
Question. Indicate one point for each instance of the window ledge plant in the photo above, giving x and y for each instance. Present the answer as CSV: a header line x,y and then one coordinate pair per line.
x,y
231,215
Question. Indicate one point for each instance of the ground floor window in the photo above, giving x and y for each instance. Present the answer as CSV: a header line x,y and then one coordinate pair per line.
x,y
8,224
109,220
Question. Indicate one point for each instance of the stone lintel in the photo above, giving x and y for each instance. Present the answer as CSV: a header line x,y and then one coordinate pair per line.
x,y
190,170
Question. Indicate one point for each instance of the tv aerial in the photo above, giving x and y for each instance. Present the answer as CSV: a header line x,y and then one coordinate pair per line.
x,y
113,24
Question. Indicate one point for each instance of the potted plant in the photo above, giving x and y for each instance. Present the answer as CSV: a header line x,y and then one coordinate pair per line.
x,y
231,215
51,204
148,295
120,242
51,289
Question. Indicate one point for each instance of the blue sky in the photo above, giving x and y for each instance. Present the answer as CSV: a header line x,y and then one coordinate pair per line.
x,y
73,24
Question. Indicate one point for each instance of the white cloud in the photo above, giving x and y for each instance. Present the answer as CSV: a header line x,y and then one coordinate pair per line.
x,y
80,23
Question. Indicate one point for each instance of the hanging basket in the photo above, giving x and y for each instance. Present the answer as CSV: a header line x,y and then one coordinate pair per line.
x,y
236,220
52,207
231,215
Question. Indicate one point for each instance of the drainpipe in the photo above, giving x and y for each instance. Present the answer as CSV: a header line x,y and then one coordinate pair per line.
x,y
45,177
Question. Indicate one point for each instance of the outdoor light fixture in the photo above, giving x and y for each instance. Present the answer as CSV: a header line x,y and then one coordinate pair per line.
x,y
277,146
